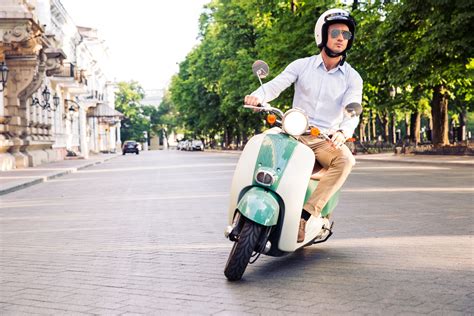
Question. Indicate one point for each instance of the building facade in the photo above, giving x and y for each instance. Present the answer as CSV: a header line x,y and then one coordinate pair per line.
x,y
58,74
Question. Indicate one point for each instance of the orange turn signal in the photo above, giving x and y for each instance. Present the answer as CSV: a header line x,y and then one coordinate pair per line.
x,y
271,119
315,131
351,140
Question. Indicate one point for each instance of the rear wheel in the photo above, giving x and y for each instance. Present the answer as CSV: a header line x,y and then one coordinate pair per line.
x,y
242,251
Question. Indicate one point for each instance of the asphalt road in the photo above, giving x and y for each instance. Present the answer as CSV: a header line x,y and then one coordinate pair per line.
x,y
144,235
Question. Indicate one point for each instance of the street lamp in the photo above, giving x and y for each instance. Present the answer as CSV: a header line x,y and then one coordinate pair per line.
x,y
73,107
3,76
45,104
56,101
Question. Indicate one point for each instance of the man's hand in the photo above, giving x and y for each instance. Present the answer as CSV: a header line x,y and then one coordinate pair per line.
x,y
338,139
251,100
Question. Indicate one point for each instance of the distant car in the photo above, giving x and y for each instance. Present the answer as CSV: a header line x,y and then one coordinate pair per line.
x,y
180,145
197,145
130,146
186,145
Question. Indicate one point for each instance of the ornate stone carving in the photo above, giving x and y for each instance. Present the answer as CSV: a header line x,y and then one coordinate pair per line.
x,y
55,57
38,79
22,40
20,33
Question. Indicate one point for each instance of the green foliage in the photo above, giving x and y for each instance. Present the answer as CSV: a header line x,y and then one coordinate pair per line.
x,y
407,47
137,117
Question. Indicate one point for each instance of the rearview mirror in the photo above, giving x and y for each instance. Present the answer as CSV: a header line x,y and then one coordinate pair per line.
x,y
260,69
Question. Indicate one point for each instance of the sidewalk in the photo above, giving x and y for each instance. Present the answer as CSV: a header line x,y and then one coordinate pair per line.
x,y
451,160
419,159
18,179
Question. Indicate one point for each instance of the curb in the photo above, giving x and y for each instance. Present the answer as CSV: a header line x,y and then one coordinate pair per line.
x,y
41,179
23,185
406,160
420,161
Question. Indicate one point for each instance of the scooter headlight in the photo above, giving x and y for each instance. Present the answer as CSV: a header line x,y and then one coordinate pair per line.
x,y
295,122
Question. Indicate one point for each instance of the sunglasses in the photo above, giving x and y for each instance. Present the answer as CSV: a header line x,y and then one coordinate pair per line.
x,y
345,34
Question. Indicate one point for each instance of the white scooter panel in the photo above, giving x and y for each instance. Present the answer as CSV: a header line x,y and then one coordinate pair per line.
x,y
292,190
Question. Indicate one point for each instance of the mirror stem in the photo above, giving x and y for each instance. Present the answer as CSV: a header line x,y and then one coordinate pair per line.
x,y
263,89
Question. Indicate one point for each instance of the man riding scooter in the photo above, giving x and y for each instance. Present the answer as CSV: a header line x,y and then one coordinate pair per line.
x,y
324,85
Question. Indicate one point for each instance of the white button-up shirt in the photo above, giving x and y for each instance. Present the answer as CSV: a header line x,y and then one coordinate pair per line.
x,y
320,93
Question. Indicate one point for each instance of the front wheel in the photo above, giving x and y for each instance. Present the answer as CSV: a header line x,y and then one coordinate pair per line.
x,y
242,251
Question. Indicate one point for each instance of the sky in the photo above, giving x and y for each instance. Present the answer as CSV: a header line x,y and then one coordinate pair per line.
x,y
146,38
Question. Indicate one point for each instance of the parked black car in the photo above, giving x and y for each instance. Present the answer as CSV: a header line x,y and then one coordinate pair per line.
x,y
130,146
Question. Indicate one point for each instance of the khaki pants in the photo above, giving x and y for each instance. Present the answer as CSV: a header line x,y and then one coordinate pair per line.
x,y
339,163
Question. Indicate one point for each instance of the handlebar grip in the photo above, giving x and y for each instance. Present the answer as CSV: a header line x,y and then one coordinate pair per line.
x,y
248,106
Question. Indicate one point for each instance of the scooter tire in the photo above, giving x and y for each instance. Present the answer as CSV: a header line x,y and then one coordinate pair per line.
x,y
242,250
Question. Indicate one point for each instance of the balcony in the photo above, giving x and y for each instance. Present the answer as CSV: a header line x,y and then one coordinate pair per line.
x,y
95,95
71,71
67,71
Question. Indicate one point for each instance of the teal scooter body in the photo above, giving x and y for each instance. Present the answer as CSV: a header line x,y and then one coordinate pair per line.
x,y
261,203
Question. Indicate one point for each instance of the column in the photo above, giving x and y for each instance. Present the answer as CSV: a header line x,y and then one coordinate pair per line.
x,y
83,133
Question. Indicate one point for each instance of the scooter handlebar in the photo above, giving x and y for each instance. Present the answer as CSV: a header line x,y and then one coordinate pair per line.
x,y
247,106
265,107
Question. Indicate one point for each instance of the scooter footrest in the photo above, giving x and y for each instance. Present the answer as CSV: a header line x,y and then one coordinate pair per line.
x,y
328,233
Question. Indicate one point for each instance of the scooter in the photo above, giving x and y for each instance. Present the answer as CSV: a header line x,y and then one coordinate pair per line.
x,y
274,177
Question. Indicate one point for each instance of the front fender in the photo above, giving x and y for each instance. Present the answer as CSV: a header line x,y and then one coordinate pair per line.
x,y
260,206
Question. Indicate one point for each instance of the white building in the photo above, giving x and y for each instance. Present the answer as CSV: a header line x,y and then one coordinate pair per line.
x,y
58,73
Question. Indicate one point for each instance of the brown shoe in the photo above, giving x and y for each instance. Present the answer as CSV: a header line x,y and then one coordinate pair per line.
x,y
301,230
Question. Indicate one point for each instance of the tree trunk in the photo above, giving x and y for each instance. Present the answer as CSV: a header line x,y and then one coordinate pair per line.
x,y
407,127
463,122
373,119
393,128
415,126
362,127
439,113
386,130
237,140
293,6
369,128
227,138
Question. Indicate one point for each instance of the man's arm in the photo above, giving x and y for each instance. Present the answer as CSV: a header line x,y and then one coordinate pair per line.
x,y
352,95
272,89
348,125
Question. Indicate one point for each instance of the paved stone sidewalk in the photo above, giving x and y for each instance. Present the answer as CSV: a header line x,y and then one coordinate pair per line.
x,y
423,159
18,179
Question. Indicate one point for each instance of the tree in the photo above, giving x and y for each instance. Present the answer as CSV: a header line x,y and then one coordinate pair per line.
x,y
137,117
429,43
164,119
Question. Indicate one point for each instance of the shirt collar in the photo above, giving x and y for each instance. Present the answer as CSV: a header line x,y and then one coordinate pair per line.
x,y
319,63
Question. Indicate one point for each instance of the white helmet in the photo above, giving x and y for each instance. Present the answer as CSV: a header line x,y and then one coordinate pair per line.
x,y
329,17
